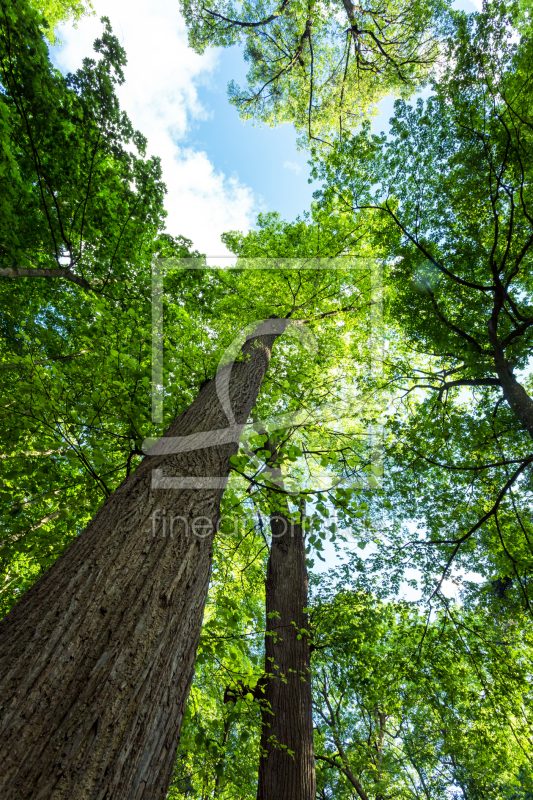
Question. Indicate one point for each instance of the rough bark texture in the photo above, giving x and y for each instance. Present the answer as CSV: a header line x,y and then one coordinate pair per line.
x,y
287,705
96,660
517,398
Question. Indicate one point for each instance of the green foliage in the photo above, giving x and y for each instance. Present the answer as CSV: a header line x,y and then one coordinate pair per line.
x,y
418,707
56,12
449,196
219,745
81,218
75,198
409,703
320,66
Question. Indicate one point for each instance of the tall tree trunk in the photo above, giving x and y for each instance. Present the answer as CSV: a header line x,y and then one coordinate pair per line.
x,y
97,658
518,399
219,778
287,705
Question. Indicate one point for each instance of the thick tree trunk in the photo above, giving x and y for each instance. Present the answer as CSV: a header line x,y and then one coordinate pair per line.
x,y
96,660
287,704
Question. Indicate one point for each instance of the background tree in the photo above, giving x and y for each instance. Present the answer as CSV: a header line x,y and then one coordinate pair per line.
x,y
449,195
416,710
319,66
56,12
77,203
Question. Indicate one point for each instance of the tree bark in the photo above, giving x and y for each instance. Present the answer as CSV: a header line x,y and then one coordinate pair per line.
x,y
287,705
518,399
222,763
97,658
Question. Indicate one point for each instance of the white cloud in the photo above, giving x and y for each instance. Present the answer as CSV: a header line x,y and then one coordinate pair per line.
x,y
160,96
291,165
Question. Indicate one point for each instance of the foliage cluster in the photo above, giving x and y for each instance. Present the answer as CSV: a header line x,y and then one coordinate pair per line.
x,y
421,698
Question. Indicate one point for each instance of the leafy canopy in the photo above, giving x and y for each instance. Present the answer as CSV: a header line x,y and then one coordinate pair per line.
x,y
320,65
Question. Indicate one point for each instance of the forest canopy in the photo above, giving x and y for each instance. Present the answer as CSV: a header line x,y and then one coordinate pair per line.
x,y
293,561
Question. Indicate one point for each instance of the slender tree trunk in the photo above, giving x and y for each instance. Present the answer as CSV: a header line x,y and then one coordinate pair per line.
x,y
518,399
219,779
97,658
287,705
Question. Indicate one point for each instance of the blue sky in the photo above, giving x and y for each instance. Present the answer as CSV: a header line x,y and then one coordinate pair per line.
x,y
264,158
219,172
